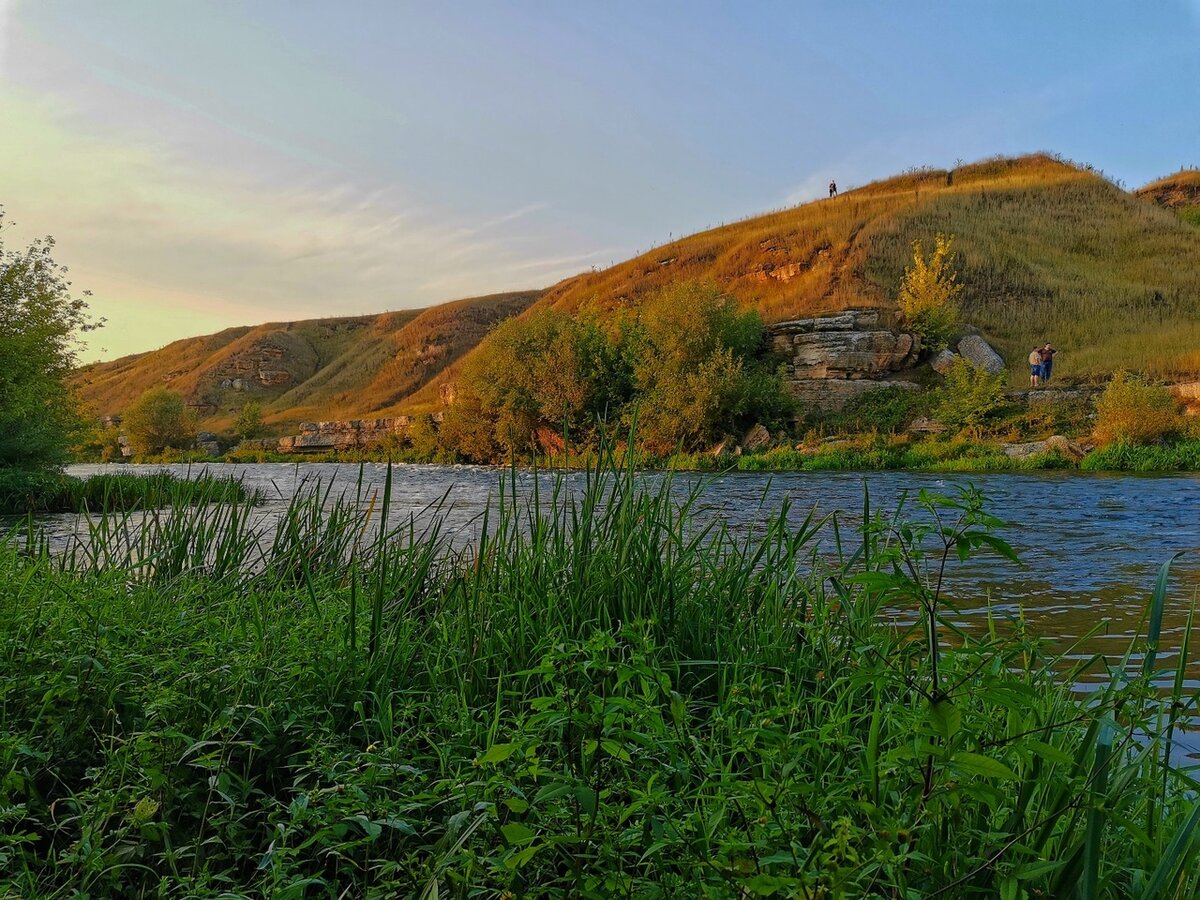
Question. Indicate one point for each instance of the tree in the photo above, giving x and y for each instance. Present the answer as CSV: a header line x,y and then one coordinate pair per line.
x,y
159,420
929,293
40,324
249,422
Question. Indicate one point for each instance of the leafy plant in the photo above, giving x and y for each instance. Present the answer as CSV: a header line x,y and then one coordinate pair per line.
x,y
969,396
159,421
929,293
1135,411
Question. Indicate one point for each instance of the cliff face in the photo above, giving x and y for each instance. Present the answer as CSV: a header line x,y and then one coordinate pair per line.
x,y
833,359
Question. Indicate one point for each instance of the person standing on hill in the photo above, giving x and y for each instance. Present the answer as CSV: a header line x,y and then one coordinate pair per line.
x,y
1047,355
1035,366
832,189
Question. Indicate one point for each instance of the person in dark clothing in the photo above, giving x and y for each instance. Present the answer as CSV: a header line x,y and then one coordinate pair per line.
x,y
832,189
1047,354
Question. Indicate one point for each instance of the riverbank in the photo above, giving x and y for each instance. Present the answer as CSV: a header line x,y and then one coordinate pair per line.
x,y
601,697
51,491
866,453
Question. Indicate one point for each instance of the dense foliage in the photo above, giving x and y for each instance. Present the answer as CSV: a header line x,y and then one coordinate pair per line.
x,y
929,292
1135,411
684,366
970,395
158,421
597,700
50,490
40,322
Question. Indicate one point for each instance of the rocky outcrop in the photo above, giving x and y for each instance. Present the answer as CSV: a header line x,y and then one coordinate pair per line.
x,y
833,359
348,434
1065,447
975,349
756,438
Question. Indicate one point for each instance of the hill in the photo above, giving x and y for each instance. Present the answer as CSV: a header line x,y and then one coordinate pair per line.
x,y
315,369
1048,250
1179,192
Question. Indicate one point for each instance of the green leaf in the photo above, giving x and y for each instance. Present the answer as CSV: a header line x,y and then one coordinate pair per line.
x,y
945,717
515,833
976,764
496,753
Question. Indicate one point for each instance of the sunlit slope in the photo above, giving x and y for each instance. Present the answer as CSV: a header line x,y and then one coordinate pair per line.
x,y
1049,251
318,368
1179,193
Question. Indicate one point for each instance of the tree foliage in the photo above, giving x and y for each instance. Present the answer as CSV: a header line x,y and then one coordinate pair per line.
x,y
683,367
249,422
929,293
40,323
158,421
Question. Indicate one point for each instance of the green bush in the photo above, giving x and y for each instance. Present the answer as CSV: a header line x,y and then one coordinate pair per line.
x,y
1134,411
970,396
157,422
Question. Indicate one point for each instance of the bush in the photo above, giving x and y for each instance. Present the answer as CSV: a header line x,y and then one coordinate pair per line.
x,y
159,421
929,292
1134,411
970,396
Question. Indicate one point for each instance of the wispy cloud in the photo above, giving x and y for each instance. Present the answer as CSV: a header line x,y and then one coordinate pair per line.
x,y
144,229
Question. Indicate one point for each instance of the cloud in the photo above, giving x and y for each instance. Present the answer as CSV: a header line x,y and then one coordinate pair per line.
x,y
197,245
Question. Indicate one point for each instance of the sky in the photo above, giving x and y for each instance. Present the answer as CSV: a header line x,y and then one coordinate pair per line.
x,y
208,164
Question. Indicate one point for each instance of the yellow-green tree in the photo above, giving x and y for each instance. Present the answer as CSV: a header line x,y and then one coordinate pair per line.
x,y
157,421
929,293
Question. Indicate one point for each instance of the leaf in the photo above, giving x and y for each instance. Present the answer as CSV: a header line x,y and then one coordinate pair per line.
x,y
1050,753
945,717
516,834
496,753
977,764
371,829
516,804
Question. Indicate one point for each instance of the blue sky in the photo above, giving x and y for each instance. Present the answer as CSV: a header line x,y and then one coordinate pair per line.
x,y
216,163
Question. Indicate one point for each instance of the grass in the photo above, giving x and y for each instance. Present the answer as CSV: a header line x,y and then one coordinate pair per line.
x,y
53,491
598,696
1119,457
1049,251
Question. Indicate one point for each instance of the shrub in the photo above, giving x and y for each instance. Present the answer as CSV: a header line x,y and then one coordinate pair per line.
x,y
249,422
970,396
1134,411
159,421
929,293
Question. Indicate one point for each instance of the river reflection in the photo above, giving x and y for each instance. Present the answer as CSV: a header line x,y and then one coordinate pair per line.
x,y
1090,545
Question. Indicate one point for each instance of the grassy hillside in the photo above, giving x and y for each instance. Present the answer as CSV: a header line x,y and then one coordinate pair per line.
x,y
1179,193
1047,251
315,369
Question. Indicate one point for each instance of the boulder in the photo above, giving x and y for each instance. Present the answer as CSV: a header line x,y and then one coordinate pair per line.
x,y
1066,447
978,351
943,361
1025,450
756,438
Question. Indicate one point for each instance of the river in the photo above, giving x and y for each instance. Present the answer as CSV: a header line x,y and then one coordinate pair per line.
x,y
1090,545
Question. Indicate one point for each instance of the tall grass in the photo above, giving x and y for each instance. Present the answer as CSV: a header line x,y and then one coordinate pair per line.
x,y
596,696
26,491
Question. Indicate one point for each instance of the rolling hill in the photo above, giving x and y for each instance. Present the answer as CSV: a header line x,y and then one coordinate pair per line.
x,y
1048,250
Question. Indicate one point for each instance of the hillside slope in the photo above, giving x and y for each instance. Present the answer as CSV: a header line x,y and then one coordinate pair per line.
x,y
1179,193
314,369
1047,251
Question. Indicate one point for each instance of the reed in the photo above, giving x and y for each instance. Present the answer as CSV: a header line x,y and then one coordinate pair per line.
x,y
591,694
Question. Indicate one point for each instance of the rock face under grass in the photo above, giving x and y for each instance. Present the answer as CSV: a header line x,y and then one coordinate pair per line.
x,y
978,351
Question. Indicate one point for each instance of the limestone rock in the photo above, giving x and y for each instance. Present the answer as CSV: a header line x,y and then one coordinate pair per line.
x,y
756,438
978,351
1025,450
350,434
1056,442
943,361
923,425
835,393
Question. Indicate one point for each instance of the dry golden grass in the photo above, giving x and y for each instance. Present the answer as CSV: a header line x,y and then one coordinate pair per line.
x,y
1048,251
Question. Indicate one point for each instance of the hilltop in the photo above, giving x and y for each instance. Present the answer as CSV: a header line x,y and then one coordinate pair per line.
x,y
1048,250
1179,193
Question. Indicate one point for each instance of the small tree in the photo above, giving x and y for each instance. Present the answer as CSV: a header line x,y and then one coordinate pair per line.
x,y
39,326
1134,411
970,395
929,293
158,420
249,422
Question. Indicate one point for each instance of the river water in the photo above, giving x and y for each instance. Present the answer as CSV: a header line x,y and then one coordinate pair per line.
x,y
1090,545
